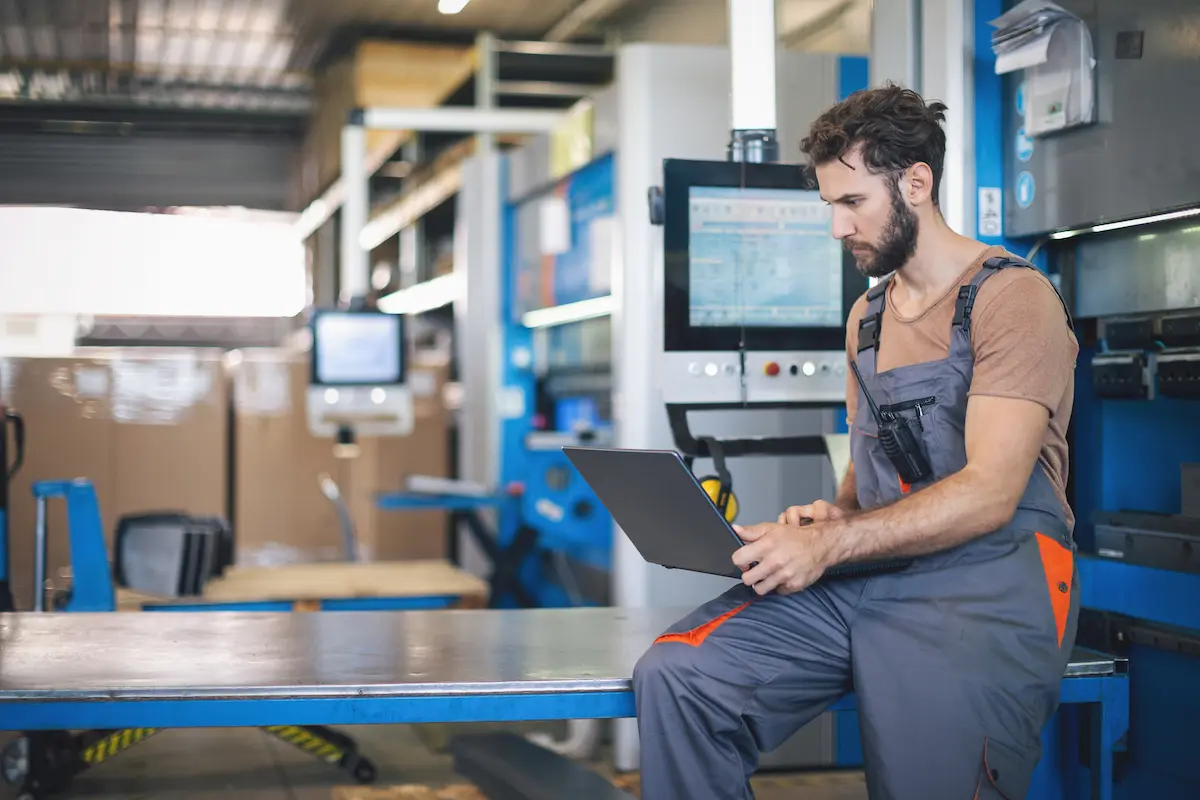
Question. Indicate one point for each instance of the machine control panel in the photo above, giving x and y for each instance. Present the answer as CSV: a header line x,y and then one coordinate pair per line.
x,y
764,377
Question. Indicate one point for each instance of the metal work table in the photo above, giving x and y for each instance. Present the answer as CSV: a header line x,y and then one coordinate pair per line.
x,y
105,671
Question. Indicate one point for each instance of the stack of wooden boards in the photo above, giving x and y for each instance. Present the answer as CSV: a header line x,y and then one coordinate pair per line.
x,y
305,585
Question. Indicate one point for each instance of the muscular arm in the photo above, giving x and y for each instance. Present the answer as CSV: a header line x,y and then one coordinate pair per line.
x,y
1003,438
1024,362
847,494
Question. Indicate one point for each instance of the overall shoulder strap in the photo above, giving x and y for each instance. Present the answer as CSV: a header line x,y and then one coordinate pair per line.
x,y
872,318
966,294
870,326
960,330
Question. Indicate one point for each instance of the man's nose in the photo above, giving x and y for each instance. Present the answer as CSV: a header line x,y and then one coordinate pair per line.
x,y
842,227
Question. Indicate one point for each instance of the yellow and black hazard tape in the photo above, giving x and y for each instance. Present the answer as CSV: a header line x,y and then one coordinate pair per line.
x,y
115,743
307,741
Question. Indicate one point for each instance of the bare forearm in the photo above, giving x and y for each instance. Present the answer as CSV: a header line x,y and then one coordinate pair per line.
x,y
948,513
847,493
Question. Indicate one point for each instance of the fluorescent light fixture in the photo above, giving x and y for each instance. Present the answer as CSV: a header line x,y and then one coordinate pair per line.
x,y
425,296
570,312
1127,223
319,211
451,6
410,207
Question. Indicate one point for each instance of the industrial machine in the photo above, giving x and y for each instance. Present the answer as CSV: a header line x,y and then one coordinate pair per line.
x,y
559,341
732,299
756,296
358,385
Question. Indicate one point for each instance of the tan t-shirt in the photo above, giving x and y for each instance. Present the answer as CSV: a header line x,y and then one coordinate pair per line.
x,y
1022,344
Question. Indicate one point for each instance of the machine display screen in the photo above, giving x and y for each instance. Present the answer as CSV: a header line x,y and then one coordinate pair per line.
x,y
358,349
749,260
762,258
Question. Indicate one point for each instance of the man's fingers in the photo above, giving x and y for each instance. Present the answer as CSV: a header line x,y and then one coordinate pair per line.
x,y
823,510
763,573
751,533
747,554
817,511
799,515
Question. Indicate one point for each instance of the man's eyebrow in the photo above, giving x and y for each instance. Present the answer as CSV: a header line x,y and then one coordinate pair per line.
x,y
845,198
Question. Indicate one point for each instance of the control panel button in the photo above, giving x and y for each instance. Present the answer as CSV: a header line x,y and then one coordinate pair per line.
x,y
771,369
809,368
794,370
730,369
710,369
694,368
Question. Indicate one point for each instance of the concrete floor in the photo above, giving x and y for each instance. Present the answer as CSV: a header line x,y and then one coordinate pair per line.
x,y
246,764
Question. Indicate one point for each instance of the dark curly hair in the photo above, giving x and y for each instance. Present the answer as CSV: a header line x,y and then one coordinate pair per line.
x,y
895,127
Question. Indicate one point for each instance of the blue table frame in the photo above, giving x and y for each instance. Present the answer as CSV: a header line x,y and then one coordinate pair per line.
x,y
258,670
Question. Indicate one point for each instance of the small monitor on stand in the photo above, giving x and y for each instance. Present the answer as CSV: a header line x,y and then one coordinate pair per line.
x,y
358,384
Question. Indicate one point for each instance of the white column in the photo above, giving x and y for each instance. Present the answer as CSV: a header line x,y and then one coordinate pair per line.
x,y
928,46
947,74
896,43
355,269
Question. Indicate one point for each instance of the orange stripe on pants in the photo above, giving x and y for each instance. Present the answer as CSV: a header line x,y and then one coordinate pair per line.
x,y
1059,565
696,636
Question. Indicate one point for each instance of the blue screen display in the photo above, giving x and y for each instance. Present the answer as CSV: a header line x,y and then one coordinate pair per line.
x,y
358,349
762,258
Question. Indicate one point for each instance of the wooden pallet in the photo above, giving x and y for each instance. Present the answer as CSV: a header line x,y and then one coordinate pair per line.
x,y
409,791
816,785
767,786
305,585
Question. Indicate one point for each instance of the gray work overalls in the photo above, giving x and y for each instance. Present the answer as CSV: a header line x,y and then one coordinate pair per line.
x,y
956,661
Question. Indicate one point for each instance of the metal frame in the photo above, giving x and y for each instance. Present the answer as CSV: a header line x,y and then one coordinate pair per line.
x,y
518,121
1160,596
486,121
1107,696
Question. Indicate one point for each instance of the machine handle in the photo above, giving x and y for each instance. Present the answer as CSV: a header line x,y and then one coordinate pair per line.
x,y
18,423
689,445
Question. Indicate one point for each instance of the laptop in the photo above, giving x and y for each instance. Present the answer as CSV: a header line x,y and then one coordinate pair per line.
x,y
667,515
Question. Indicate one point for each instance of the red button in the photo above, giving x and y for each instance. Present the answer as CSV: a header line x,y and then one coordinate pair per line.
x,y
771,369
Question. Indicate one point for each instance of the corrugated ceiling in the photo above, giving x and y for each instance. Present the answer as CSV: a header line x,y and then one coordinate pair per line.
x,y
246,55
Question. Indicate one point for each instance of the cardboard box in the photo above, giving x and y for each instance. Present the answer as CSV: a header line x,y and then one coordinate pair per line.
x,y
150,428
147,427
281,516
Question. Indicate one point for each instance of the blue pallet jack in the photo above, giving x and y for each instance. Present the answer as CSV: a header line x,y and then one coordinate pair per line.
x,y
43,763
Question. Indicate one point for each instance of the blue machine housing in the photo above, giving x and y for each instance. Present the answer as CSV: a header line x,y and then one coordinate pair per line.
x,y
1125,455
573,526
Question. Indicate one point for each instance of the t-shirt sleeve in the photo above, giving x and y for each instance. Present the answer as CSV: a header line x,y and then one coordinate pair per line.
x,y
1023,345
852,320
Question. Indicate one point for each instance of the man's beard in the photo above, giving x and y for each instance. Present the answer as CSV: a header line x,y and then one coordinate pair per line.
x,y
898,244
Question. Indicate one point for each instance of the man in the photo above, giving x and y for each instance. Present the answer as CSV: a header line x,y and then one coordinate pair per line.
x,y
956,660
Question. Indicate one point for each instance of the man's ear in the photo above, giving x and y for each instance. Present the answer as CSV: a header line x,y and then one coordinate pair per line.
x,y
919,188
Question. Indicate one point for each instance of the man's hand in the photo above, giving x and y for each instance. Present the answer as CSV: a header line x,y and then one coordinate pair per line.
x,y
786,558
818,511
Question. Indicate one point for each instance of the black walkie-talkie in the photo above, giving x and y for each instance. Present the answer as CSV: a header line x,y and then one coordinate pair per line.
x,y
900,444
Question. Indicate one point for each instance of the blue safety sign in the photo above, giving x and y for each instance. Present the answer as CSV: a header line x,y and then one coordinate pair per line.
x,y
1024,145
1025,190
1021,98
